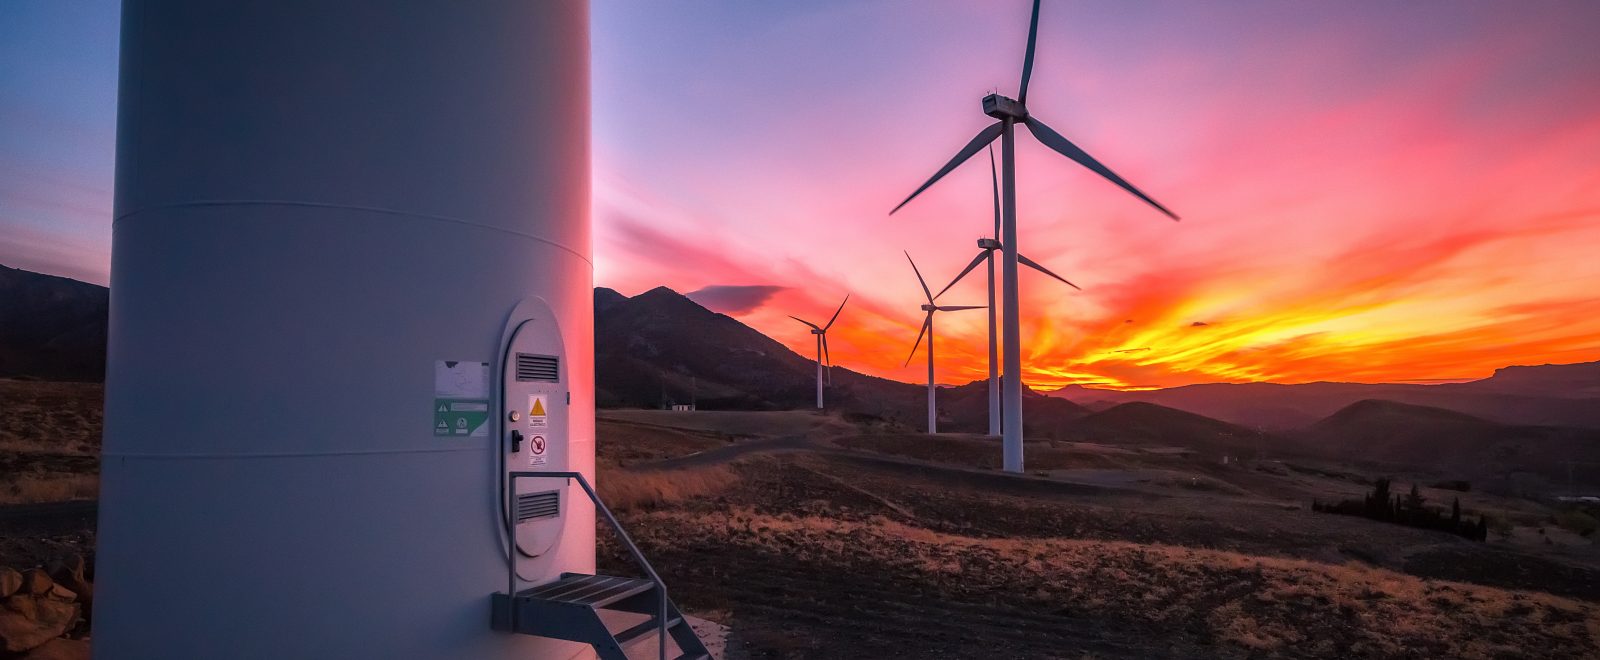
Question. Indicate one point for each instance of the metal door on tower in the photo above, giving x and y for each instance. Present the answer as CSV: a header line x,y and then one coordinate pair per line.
x,y
534,439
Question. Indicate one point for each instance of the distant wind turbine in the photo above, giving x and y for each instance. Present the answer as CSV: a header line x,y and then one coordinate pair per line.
x,y
1010,112
986,248
927,328
822,347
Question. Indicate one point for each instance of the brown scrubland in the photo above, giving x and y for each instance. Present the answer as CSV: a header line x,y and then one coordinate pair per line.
x,y
812,535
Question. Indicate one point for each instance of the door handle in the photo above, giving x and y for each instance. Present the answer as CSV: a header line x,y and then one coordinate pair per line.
x,y
516,441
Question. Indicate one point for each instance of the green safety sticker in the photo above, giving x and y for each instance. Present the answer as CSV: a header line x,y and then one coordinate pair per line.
x,y
461,399
461,417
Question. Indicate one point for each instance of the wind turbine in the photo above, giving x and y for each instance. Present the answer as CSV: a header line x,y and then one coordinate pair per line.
x,y
822,347
927,328
1010,112
986,248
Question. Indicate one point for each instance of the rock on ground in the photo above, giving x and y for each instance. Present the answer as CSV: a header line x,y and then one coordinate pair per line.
x,y
10,581
36,582
715,636
60,648
27,622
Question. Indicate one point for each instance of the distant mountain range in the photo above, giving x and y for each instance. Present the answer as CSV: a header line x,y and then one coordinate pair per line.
x,y
1551,395
660,347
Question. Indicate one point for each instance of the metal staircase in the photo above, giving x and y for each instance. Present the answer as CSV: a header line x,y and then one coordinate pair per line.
x,y
599,610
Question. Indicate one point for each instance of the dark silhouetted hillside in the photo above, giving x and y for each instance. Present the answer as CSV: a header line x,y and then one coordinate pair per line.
x,y
1390,432
660,347
965,409
605,299
1566,381
1148,424
51,328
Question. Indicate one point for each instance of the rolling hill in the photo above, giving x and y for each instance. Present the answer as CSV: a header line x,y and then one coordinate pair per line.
x,y
51,328
1148,424
1389,432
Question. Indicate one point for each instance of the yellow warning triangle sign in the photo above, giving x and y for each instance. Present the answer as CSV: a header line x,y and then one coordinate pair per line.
x,y
538,408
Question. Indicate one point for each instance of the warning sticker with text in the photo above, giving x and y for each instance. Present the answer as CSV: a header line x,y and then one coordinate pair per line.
x,y
538,411
460,398
536,447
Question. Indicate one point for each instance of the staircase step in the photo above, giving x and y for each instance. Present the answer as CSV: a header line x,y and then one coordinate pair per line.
x,y
592,590
575,608
643,629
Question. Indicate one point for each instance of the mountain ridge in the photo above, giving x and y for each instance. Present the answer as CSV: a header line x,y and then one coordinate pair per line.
x,y
1513,395
53,328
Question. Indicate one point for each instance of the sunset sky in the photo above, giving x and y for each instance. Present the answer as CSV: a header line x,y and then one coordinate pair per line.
x,y
1370,191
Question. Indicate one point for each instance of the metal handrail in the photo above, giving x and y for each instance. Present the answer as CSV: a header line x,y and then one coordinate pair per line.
x,y
627,541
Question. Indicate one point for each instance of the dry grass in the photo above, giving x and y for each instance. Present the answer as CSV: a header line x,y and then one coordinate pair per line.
x,y
1258,605
53,417
624,443
49,441
735,422
31,489
623,490
971,450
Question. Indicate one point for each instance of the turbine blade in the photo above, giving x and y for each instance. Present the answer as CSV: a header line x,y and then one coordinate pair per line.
x,y
924,284
981,256
804,321
1052,139
957,308
1035,265
835,316
1027,60
984,137
926,321
994,177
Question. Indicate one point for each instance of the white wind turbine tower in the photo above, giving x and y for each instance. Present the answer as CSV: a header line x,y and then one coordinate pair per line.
x,y
986,248
1010,112
927,328
822,347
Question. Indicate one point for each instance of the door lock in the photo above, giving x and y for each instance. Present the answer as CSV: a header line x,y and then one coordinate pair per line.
x,y
516,441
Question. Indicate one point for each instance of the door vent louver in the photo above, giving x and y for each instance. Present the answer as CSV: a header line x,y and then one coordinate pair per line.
x,y
538,367
533,506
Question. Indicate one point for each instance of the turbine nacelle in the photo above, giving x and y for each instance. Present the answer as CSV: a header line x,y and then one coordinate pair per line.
x,y
929,308
988,244
1004,107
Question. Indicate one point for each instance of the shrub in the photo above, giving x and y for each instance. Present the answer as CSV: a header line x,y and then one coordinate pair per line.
x,y
1577,522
